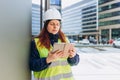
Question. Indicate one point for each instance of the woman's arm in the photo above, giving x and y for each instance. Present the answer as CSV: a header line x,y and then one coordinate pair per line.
x,y
35,62
74,60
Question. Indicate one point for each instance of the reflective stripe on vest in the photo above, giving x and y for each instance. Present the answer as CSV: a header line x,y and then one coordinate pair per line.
x,y
63,63
58,70
58,77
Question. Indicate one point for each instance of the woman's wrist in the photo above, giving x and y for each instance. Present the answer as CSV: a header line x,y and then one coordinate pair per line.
x,y
47,60
71,56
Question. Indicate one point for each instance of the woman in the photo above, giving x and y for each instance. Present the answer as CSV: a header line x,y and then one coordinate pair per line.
x,y
48,65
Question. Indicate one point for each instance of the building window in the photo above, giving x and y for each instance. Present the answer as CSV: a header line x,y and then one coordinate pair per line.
x,y
105,34
55,2
35,19
108,7
91,15
107,15
115,33
104,1
88,8
112,22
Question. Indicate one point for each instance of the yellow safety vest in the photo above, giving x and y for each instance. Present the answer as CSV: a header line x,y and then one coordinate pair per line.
x,y
58,70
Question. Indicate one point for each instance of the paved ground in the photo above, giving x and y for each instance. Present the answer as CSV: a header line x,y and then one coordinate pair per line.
x,y
98,50
101,66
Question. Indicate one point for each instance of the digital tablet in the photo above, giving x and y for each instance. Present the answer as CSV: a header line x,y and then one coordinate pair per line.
x,y
61,46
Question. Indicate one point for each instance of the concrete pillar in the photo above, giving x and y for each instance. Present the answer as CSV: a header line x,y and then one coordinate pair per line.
x,y
47,4
15,26
110,34
100,35
96,37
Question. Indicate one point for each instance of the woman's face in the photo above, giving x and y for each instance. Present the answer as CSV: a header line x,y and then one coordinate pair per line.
x,y
53,26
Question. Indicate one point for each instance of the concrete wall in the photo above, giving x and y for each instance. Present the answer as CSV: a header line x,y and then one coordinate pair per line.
x,y
15,29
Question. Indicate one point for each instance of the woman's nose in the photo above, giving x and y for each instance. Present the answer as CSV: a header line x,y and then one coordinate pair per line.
x,y
55,26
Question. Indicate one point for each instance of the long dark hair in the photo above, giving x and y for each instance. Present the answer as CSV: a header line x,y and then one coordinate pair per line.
x,y
44,37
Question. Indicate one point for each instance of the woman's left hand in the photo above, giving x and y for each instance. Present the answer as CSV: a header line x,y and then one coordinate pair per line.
x,y
72,52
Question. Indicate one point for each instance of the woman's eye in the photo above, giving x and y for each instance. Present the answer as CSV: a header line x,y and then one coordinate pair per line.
x,y
51,24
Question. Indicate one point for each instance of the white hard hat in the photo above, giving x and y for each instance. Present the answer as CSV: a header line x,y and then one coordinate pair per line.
x,y
52,14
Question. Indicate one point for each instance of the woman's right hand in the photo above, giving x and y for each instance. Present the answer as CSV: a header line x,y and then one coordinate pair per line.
x,y
52,56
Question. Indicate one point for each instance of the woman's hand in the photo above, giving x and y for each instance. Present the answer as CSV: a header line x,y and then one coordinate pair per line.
x,y
72,52
52,56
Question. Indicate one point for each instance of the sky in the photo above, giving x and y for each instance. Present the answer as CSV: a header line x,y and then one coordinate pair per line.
x,y
36,1
65,3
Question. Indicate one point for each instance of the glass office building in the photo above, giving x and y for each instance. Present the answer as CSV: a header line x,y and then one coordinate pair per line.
x,y
109,19
90,20
35,19
80,19
56,4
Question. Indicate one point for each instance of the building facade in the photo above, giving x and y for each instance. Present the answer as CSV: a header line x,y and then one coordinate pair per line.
x,y
80,19
109,19
55,4
36,19
90,20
